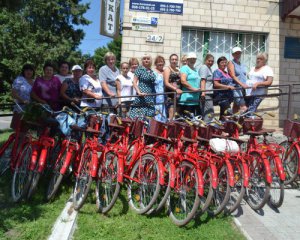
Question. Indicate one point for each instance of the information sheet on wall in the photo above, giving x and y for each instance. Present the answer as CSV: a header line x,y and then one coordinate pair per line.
x,y
159,6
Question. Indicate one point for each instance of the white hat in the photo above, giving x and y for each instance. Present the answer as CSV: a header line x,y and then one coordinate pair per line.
x,y
76,67
236,49
191,55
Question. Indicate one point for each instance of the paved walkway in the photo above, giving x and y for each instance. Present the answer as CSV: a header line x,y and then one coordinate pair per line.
x,y
5,122
270,223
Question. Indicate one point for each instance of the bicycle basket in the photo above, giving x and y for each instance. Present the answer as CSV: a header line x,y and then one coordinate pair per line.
x,y
137,128
176,128
230,127
291,129
156,128
35,113
205,132
250,124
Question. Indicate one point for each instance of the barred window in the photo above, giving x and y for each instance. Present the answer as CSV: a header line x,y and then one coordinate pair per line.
x,y
220,43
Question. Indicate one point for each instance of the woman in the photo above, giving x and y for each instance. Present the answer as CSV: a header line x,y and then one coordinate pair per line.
x,y
143,83
260,77
222,80
206,76
107,75
21,89
124,83
237,71
63,69
184,60
172,82
90,86
133,63
159,88
70,91
46,89
190,81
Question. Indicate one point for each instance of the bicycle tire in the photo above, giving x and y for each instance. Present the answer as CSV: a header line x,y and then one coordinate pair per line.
x,y
257,168
56,177
220,197
5,157
205,200
277,186
183,208
107,179
237,192
34,176
19,185
290,163
83,180
144,178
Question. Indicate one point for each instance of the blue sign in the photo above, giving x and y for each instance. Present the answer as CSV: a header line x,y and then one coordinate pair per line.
x,y
292,48
160,6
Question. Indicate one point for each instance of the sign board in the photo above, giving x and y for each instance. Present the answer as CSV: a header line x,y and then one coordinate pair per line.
x,y
155,38
159,6
144,28
292,48
145,20
110,18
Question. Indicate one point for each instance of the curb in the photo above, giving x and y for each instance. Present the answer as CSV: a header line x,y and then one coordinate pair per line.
x,y
240,226
65,224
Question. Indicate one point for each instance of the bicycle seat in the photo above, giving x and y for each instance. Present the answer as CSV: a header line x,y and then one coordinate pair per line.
x,y
157,137
260,132
189,140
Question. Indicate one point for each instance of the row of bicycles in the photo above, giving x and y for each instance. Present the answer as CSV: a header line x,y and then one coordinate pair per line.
x,y
185,166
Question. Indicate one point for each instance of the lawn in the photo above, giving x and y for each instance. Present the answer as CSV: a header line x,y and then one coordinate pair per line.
x,y
123,223
28,220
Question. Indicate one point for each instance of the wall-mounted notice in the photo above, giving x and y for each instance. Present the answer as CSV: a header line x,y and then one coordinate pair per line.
x,y
159,6
145,20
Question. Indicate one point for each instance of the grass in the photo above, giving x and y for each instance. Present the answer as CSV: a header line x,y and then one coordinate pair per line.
x,y
28,220
123,223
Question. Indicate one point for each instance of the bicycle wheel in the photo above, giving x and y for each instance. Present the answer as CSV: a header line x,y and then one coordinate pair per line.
x,y
56,177
290,161
108,187
277,185
83,180
143,188
184,199
19,185
5,157
258,192
237,192
221,194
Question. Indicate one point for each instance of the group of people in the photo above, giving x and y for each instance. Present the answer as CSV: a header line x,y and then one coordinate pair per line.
x,y
138,90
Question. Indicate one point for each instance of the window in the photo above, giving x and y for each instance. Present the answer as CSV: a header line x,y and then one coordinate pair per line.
x,y
220,43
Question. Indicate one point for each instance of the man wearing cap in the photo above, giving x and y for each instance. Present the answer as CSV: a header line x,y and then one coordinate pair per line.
x,y
190,81
238,73
70,91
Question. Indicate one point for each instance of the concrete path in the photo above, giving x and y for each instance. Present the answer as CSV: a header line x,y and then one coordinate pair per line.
x,y
270,223
5,122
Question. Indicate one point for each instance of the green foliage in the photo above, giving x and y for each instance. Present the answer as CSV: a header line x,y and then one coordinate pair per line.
x,y
114,46
39,31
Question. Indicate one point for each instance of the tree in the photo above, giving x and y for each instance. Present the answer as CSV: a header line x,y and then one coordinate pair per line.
x,y
39,31
114,46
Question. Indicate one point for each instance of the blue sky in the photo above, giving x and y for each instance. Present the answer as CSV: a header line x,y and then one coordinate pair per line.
x,y
93,39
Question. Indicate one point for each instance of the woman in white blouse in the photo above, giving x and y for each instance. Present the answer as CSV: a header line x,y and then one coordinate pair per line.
x,y
260,78
90,86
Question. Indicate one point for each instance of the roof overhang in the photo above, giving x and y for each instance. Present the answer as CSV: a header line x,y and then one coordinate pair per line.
x,y
291,9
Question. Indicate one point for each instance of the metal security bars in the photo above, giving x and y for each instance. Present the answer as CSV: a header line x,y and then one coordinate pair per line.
x,y
220,43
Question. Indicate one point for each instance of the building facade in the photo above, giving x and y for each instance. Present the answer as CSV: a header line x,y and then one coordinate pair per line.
x,y
216,26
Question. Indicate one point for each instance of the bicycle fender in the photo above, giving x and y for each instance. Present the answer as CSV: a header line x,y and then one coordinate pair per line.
x,y
172,173
200,182
230,172
246,174
34,157
214,172
42,159
161,173
120,173
268,169
94,164
280,168
67,162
